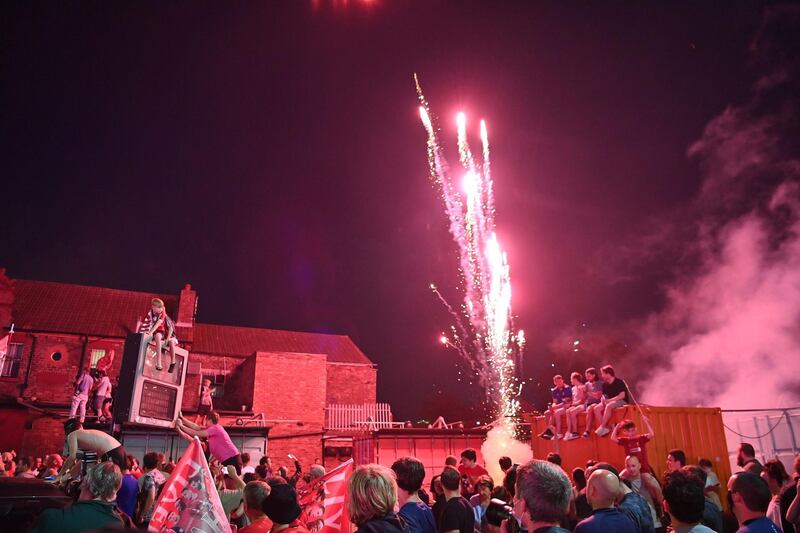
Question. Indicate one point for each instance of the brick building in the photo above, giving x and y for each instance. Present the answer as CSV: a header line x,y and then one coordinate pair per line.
x,y
289,377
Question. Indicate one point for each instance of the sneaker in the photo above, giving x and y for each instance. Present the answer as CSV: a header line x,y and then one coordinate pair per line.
x,y
586,435
559,436
171,368
571,436
602,431
547,434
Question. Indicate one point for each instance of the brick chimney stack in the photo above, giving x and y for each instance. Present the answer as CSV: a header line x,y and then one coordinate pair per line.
x,y
6,300
187,307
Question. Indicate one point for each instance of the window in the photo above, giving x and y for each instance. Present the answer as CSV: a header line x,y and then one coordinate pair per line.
x,y
217,384
96,356
9,363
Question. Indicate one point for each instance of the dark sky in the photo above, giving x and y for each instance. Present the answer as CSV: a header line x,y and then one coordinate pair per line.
x,y
270,154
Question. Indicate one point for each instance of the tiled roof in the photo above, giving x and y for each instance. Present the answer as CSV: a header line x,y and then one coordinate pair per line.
x,y
78,309
65,308
234,340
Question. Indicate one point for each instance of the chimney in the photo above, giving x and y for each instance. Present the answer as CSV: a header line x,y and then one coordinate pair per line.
x,y
6,299
187,307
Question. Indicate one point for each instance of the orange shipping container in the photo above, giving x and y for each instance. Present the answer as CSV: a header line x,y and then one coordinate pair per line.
x,y
698,431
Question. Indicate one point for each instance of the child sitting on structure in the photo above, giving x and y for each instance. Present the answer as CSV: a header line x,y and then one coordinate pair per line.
x,y
578,406
206,403
634,443
158,327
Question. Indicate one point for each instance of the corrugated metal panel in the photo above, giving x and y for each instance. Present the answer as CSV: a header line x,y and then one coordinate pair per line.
x,y
698,431
430,447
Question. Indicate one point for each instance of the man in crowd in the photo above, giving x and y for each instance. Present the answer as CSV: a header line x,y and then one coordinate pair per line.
x,y
480,501
150,484
255,493
505,464
561,396
282,508
24,468
748,497
128,492
602,491
470,471
746,459
543,495
104,445
615,394
684,502
219,442
712,515
80,395
712,483
99,511
247,468
416,515
630,503
457,515
676,459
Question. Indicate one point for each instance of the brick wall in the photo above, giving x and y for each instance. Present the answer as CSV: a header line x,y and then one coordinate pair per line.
x,y
46,435
351,384
51,378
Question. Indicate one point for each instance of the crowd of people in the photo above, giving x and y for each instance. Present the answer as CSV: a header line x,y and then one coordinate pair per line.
x,y
540,497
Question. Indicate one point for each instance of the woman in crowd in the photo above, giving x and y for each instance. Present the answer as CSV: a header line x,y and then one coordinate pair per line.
x,y
783,492
372,496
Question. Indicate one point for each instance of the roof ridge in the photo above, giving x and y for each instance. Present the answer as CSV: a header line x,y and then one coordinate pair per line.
x,y
273,329
80,285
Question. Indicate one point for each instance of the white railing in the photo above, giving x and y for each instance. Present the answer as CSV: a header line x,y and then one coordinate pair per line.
x,y
364,417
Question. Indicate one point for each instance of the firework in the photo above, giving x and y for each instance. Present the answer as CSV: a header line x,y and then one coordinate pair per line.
x,y
482,331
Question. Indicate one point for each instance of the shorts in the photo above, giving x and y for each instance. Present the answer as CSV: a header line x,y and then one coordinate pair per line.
x,y
98,402
203,409
118,456
234,461
615,404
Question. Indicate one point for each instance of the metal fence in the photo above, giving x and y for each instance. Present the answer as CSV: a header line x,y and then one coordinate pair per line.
x,y
774,433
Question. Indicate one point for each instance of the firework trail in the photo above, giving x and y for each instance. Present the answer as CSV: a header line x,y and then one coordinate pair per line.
x,y
482,332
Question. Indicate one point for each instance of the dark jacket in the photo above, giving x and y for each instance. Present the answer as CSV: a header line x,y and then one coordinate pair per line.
x,y
80,516
390,523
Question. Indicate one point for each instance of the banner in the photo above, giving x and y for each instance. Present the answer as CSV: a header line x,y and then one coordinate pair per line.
x,y
323,501
189,501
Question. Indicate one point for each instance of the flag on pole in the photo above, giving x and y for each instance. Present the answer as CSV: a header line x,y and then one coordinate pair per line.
x,y
323,501
189,500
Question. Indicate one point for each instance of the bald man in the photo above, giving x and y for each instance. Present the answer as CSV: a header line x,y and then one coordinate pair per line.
x,y
602,491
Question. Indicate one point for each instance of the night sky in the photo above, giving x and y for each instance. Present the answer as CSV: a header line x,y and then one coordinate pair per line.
x,y
270,154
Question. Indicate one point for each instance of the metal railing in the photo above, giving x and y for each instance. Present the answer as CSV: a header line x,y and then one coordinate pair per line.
x,y
364,417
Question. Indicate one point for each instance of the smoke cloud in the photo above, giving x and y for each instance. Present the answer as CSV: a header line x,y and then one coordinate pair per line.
x,y
728,333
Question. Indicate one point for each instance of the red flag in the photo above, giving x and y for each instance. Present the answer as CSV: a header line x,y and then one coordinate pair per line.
x,y
323,501
189,500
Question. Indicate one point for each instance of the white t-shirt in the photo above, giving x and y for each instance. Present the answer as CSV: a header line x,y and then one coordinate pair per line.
x,y
713,497
104,389
248,470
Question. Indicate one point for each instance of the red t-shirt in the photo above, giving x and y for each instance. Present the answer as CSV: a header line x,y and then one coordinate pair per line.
x,y
472,474
259,526
636,446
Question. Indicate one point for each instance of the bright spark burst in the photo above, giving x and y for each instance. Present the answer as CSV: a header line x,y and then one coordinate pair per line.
x,y
485,339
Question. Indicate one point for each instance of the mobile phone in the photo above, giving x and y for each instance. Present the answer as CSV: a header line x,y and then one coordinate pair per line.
x,y
225,470
292,457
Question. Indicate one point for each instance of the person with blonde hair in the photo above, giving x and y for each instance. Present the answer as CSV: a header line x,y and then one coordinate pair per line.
x,y
160,328
371,499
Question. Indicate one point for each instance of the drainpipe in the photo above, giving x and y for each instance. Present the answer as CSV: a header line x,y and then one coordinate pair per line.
x,y
83,355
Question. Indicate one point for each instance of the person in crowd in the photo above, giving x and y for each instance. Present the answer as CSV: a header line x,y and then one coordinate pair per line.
x,y
615,394
712,488
510,481
25,468
451,460
480,501
456,514
577,406
298,472
38,465
748,498
684,502
553,457
505,463
219,442
262,472
645,486
282,509
267,464
371,500
602,491
96,511
159,328
102,390
793,510
470,471
128,493
133,467
543,497
316,471
410,472
230,488
499,511
635,444
247,468
676,459
594,396
150,484
255,492
108,408
438,497
80,395
746,459
53,464
712,517
582,507
206,404
561,396
104,363
630,503
104,445
783,492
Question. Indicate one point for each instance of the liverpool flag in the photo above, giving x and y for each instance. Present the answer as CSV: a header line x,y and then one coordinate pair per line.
x,y
189,500
323,501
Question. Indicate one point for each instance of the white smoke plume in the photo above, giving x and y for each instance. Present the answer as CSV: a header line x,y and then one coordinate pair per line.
x,y
498,443
729,332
